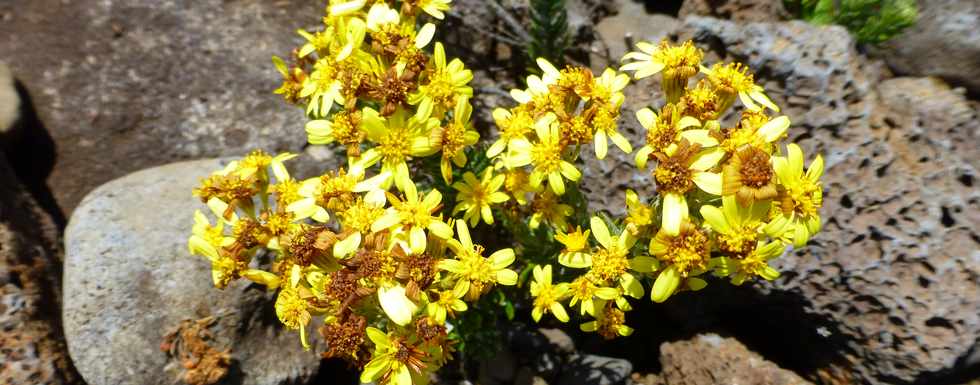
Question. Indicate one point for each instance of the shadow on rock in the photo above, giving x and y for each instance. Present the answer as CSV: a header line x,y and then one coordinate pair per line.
x,y
775,325
31,153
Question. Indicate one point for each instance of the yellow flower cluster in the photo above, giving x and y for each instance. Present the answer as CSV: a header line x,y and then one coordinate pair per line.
x,y
368,84
348,252
729,198
373,257
362,251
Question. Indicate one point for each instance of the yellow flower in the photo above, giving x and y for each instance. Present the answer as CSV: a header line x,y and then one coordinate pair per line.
x,y
610,262
381,17
292,312
537,86
323,88
755,129
395,360
453,139
435,8
545,157
477,196
733,79
639,216
664,133
800,197
678,174
678,63
547,207
737,227
514,125
749,176
575,254
609,323
475,274
516,184
754,264
547,297
336,192
685,254
445,84
208,240
448,302
318,42
585,292
360,215
344,128
292,82
399,138
610,86
415,214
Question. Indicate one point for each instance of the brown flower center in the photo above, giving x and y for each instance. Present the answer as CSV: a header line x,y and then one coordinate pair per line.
x,y
756,171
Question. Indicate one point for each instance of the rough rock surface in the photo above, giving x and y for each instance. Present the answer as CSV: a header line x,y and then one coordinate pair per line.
x,y
129,280
897,266
893,277
943,42
32,347
711,359
125,85
736,10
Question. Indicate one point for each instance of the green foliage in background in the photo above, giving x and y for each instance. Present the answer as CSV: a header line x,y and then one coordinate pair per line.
x,y
870,21
549,31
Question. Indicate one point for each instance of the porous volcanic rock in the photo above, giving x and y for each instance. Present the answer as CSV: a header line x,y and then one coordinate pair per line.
x,y
32,346
943,42
710,359
129,280
893,277
125,85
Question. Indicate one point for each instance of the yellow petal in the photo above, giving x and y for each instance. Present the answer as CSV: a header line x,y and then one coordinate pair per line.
x,y
601,232
396,304
774,129
708,182
675,212
666,283
425,35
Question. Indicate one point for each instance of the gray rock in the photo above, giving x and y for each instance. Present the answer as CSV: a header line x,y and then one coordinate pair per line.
x,y
619,33
894,272
943,42
710,359
895,268
594,370
9,100
129,280
897,264
736,10
32,345
560,341
126,85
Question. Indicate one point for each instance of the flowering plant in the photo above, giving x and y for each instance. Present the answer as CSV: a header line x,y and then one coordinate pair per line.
x,y
376,256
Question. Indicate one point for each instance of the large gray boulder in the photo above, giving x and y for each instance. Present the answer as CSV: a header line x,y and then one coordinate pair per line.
x,y
129,280
943,42
126,85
